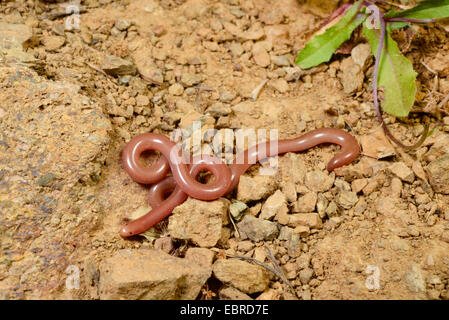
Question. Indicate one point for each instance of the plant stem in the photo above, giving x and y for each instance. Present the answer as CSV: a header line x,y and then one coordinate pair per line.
x,y
399,19
376,95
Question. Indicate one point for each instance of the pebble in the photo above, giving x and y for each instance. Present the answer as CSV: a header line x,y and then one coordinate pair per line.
x,y
122,24
53,43
260,55
190,79
236,209
306,275
236,49
281,61
311,220
244,276
280,85
202,256
46,179
306,203
256,188
402,171
176,89
257,229
319,181
351,76
275,203
199,221
439,174
219,109
227,96
347,199
127,272
116,66
230,293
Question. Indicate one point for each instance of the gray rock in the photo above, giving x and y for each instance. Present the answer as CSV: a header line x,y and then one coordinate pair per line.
x,y
257,229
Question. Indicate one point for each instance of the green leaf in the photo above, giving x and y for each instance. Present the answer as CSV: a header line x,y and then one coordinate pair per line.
x,y
396,75
431,9
321,47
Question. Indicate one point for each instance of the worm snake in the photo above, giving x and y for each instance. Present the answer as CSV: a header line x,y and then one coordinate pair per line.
x,y
169,192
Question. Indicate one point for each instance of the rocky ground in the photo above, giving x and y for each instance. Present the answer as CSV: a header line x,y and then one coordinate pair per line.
x,y
71,99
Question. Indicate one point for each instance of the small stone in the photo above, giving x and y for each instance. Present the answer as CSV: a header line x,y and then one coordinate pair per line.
x,y
198,221
445,236
256,188
164,244
202,256
311,220
347,199
257,229
150,275
293,73
439,174
306,203
332,210
376,145
351,76
159,30
176,89
360,54
396,188
403,172
303,231
280,85
270,294
285,233
357,185
236,209
190,79
227,96
230,293
281,61
46,179
260,55
122,24
53,43
236,49
275,203
142,101
306,275
218,109
116,66
242,275
319,181
245,246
